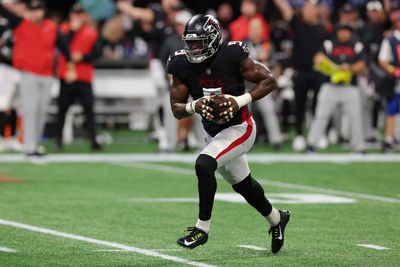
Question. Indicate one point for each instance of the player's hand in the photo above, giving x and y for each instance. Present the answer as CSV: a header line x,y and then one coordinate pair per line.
x,y
232,108
203,109
71,75
77,57
124,6
396,72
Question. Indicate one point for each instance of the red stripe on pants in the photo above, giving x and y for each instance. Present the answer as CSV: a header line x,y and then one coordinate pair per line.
x,y
240,140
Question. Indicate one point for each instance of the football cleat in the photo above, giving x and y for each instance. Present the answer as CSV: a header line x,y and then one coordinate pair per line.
x,y
196,237
278,231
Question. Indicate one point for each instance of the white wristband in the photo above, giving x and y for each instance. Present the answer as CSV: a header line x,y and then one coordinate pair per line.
x,y
243,100
190,107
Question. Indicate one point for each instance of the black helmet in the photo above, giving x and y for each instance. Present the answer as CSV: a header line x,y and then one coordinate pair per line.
x,y
202,37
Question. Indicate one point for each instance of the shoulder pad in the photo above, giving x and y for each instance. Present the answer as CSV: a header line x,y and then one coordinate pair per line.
x,y
239,45
175,61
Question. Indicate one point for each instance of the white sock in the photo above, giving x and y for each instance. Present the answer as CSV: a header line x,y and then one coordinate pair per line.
x,y
389,139
274,217
203,225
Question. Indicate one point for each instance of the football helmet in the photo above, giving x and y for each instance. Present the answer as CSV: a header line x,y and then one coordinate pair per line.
x,y
202,38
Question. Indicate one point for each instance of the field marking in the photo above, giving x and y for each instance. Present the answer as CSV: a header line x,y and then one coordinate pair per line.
x,y
252,247
185,171
160,167
329,191
286,198
7,250
122,250
372,246
137,250
190,158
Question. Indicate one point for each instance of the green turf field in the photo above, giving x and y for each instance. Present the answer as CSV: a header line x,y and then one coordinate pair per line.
x,y
130,214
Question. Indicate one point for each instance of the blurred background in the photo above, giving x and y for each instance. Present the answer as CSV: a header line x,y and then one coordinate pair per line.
x,y
125,106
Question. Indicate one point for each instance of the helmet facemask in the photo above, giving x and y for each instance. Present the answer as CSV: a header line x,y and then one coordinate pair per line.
x,y
199,48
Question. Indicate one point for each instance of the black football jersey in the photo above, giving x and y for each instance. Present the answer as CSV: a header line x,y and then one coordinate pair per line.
x,y
217,75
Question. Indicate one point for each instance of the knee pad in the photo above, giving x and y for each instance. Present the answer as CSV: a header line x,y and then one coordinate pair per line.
x,y
205,165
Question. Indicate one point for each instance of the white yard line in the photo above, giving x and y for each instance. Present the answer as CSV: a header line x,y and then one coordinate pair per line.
x,y
8,250
160,167
252,247
190,158
137,250
315,189
372,246
329,191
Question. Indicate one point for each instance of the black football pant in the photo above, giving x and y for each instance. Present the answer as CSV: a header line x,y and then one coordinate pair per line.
x,y
305,80
81,92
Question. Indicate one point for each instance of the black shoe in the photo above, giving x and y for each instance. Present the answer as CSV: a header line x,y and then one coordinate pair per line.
x,y
196,237
310,149
96,147
387,147
35,154
278,231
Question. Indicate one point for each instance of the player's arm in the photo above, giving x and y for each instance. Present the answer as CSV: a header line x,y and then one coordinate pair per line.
x,y
285,8
179,95
385,57
257,73
145,15
13,19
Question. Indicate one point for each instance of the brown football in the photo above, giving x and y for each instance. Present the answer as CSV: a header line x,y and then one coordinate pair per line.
x,y
215,102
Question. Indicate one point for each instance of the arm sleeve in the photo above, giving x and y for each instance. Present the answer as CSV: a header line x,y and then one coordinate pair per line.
x,y
94,54
69,36
62,44
360,51
385,52
295,21
13,20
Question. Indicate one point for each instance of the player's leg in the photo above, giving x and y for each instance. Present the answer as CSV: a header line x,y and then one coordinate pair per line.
x,y
352,107
205,167
64,101
237,173
326,104
227,145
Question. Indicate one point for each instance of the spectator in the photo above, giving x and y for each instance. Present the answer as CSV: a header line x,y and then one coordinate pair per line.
x,y
84,46
176,132
239,28
263,52
157,22
373,35
350,14
390,61
35,33
341,59
308,36
225,17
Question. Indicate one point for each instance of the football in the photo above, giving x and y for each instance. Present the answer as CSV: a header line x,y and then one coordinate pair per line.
x,y
215,104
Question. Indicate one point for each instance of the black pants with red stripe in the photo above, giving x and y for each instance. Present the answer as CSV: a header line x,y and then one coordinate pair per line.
x,y
70,93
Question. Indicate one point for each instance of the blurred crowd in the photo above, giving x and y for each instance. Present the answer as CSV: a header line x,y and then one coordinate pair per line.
x,y
337,65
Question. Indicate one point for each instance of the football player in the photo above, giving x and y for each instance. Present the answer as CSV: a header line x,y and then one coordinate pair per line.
x,y
209,66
